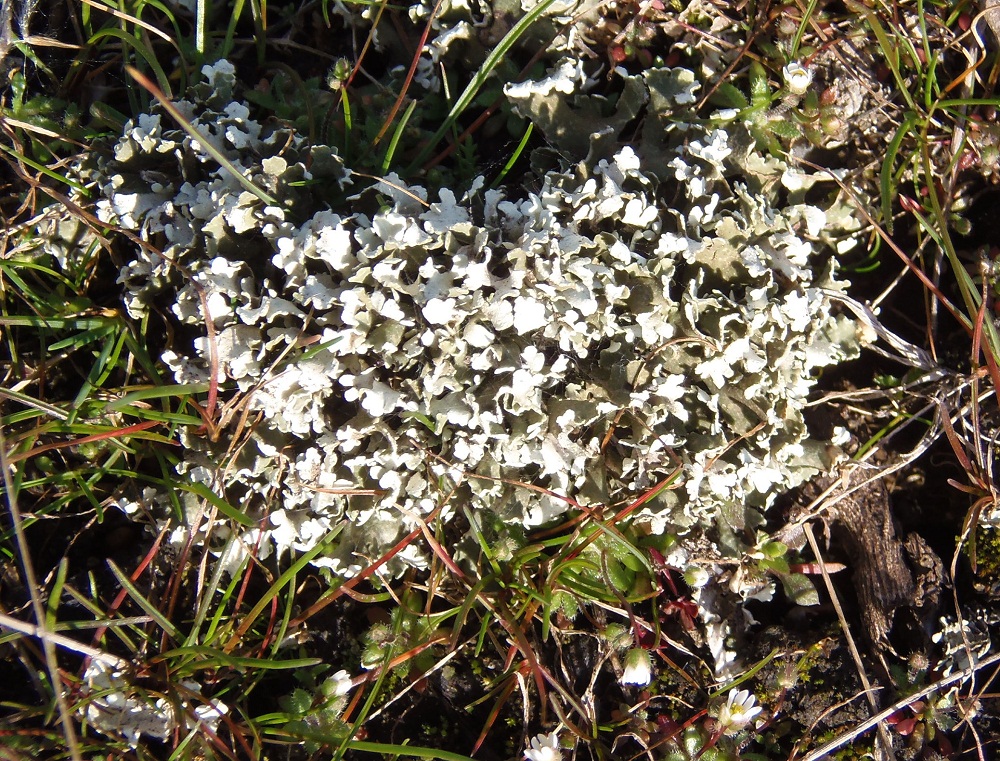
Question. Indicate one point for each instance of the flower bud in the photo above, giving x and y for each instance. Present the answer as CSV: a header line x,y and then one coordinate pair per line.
x,y
638,667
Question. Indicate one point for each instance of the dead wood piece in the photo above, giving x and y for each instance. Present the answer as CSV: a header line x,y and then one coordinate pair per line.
x,y
883,580
890,572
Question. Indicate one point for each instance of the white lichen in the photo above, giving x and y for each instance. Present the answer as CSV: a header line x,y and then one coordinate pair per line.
x,y
387,356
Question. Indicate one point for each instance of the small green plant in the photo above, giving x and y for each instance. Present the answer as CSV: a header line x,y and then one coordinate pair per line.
x,y
694,743
769,124
316,706
925,723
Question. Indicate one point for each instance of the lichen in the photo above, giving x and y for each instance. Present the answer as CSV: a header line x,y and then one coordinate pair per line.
x,y
407,352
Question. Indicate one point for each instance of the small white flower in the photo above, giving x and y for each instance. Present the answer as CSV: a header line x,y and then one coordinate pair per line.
x,y
638,669
841,436
797,77
340,683
738,711
544,748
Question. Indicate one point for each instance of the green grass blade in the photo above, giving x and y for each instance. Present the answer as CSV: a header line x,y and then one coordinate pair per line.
x,y
215,500
174,419
208,599
55,595
514,156
30,401
891,58
959,102
887,178
44,170
157,392
803,25
53,323
492,61
234,17
213,658
142,49
106,363
81,339
150,610
282,581
200,26
390,150
10,266
386,749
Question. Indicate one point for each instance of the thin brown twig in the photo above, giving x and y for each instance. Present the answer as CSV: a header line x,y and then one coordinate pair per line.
x,y
409,74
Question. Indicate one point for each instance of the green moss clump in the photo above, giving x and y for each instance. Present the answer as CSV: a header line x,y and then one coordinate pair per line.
x,y
984,552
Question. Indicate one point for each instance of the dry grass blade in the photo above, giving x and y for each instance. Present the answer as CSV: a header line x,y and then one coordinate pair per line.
x,y
391,116
60,640
132,20
883,734
207,146
847,737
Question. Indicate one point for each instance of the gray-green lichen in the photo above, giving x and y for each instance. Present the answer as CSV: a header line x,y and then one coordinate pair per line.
x,y
586,340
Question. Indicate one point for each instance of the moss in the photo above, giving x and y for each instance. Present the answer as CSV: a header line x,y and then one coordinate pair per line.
x,y
984,553
855,751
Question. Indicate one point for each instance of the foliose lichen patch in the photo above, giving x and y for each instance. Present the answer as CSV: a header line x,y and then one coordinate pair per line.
x,y
416,350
